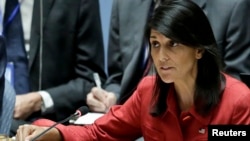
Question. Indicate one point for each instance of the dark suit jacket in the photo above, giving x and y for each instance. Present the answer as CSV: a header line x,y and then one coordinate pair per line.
x,y
128,23
230,25
2,70
230,22
72,49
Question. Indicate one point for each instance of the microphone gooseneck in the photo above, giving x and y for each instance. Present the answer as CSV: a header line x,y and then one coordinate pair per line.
x,y
79,112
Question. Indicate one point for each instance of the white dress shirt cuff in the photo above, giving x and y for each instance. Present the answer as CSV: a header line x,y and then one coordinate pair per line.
x,y
48,104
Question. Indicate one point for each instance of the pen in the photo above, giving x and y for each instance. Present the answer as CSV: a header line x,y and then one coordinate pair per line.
x,y
97,80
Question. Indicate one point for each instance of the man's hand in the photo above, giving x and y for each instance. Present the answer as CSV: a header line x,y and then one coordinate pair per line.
x,y
28,132
100,100
26,104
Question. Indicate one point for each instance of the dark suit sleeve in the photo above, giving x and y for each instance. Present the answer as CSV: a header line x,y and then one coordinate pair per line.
x,y
237,49
114,53
89,58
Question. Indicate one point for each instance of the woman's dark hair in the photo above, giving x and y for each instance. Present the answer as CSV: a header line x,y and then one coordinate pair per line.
x,y
184,22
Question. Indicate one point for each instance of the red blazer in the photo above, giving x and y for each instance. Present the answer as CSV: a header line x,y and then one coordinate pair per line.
x,y
132,120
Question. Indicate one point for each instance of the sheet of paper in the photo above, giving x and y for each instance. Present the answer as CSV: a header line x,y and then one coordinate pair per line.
x,y
89,118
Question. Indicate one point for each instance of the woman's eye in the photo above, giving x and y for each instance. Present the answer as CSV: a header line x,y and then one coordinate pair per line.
x,y
155,44
173,44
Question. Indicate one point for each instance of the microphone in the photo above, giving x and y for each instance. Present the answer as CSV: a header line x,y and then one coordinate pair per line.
x,y
79,112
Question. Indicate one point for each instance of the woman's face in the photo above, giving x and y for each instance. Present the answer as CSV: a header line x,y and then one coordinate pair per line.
x,y
173,61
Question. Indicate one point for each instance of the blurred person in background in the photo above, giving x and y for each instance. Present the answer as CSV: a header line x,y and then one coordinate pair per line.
x,y
127,53
61,47
7,93
231,27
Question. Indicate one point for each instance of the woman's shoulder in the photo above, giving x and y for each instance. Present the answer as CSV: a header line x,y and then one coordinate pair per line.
x,y
147,81
234,84
146,85
235,90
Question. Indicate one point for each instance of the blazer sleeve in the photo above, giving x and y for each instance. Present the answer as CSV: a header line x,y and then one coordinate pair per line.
x,y
122,122
237,49
241,110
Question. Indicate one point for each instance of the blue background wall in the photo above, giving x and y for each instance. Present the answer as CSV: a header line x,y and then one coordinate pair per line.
x,y
105,12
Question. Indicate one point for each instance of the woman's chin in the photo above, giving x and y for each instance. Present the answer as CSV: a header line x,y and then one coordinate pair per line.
x,y
167,80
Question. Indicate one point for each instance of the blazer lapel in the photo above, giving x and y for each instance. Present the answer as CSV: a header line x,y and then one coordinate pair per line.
x,y
35,27
143,15
140,10
201,3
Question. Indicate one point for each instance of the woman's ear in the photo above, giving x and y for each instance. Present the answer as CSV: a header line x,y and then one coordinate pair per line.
x,y
199,53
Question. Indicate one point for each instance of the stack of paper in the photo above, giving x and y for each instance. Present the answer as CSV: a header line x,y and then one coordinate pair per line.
x,y
89,118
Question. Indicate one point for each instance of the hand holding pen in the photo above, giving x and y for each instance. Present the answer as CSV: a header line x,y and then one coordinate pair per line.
x,y
100,100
